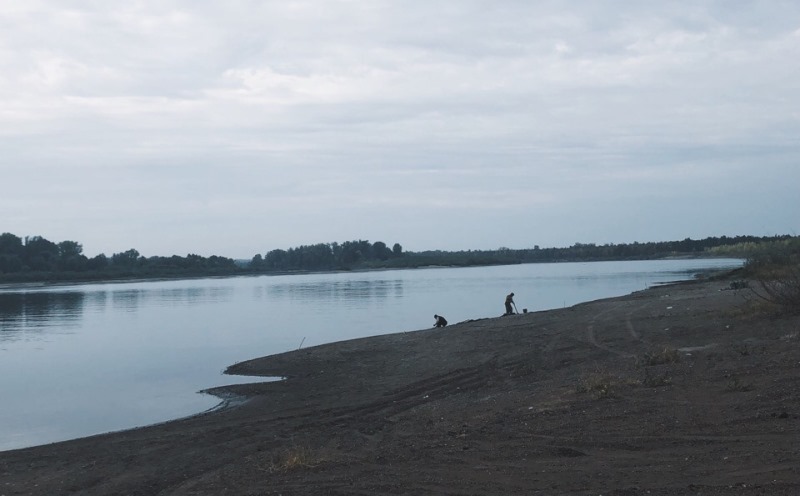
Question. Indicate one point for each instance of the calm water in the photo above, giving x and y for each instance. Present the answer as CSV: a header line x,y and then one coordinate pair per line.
x,y
92,358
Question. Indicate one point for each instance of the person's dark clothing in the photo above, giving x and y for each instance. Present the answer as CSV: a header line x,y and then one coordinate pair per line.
x,y
440,321
509,302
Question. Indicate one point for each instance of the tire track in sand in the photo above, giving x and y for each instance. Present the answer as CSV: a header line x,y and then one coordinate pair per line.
x,y
592,337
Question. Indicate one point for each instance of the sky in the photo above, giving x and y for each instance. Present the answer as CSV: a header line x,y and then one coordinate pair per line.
x,y
234,128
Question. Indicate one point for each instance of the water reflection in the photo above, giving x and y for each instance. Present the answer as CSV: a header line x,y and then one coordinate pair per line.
x,y
190,296
95,300
42,311
126,300
336,291
37,311
131,300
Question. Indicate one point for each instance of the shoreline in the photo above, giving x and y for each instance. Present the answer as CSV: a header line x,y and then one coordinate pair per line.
x,y
11,285
579,400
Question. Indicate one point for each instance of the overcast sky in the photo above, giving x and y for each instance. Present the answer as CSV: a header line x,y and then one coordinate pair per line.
x,y
237,127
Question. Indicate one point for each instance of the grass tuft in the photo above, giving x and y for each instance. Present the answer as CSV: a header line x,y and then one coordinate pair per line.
x,y
599,384
736,385
294,458
755,309
655,380
664,355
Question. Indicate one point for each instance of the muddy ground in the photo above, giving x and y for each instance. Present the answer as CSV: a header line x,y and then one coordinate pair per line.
x,y
683,389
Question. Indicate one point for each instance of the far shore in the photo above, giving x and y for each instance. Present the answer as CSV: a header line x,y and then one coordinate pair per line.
x,y
77,280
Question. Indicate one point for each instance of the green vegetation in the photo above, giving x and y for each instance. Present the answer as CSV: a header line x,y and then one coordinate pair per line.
x,y
35,259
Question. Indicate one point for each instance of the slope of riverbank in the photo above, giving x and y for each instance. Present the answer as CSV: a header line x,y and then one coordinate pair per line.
x,y
682,389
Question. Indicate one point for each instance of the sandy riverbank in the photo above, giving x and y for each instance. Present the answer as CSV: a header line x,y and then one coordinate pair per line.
x,y
570,401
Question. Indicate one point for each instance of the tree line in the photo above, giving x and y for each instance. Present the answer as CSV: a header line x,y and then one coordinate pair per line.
x,y
35,258
723,246
328,256
365,255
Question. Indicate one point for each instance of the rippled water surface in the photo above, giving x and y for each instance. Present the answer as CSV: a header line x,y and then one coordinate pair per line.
x,y
92,358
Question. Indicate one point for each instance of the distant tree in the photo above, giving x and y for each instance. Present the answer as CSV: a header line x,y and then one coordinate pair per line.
x,y
98,262
10,263
176,261
350,253
316,257
11,253
40,254
354,252
125,259
11,245
336,252
276,260
217,262
194,261
381,251
70,256
397,250
67,249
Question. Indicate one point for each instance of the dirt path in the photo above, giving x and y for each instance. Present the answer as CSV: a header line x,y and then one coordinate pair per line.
x,y
592,399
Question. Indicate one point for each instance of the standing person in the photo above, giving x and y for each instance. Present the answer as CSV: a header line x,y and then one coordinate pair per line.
x,y
509,302
440,321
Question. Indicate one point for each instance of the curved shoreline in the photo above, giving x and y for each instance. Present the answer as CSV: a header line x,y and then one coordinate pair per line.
x,y
162,412
568,401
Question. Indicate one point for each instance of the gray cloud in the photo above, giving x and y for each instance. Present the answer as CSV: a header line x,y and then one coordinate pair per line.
x,y
233,128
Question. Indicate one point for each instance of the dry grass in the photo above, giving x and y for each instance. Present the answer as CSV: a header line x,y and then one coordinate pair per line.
x,y
755,308
600,384
736,385
291,459
776,275
660,356
655,380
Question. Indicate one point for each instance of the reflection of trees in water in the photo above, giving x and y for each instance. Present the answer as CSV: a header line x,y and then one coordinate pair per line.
x,y
126,300
36,311
129,300
338,290
194,295
96,300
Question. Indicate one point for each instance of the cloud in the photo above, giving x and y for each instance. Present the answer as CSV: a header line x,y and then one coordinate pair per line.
x,y
565,115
